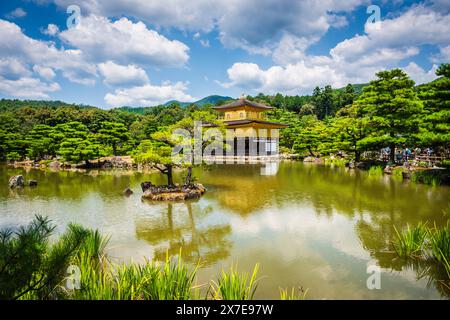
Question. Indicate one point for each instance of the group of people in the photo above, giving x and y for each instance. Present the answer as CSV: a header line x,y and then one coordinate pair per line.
x,y
405,154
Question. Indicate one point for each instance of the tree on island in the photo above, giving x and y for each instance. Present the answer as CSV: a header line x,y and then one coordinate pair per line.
x,y
159,152
188,124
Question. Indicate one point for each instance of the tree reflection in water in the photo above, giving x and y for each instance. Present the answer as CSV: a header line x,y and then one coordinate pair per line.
x,y
181,227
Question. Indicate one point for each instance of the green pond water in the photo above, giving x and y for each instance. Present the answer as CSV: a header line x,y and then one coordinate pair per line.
x,y
307,226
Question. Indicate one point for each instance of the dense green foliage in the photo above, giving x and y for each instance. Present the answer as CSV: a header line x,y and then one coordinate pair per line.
x,y
40,130
388,112
29,266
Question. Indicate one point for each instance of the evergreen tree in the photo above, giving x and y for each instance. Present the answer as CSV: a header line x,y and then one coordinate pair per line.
x,y
393,108
42,142
113,134
435,128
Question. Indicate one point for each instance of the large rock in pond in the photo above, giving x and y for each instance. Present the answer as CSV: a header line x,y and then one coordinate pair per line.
x,y
16,181
32,183
174,193
127,192
146,185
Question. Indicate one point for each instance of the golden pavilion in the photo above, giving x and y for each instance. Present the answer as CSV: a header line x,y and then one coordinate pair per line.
x,y
248,131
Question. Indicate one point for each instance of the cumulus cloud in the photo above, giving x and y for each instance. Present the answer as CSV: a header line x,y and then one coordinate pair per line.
x,y
12,68
16,13
442,56
72,63
149,95
257,25
292,79
123,41
51,30
186,15
27,87
253,25
419,75
118,75
44,72
354,60
418,26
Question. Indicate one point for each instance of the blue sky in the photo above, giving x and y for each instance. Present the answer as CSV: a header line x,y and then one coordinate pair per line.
x,y
146,52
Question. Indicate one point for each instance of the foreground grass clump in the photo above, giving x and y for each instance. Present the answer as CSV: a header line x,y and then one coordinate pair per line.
x,y
398,171
299,294
431,177
410,241
425,243
375,171
235,286
440,243
333,161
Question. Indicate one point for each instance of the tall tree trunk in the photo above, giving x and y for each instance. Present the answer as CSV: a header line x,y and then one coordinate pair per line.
x,y
357,156
169,176
392,154
187,182
114,149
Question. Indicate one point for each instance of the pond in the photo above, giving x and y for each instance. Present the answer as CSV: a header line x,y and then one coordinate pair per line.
x,y
307,226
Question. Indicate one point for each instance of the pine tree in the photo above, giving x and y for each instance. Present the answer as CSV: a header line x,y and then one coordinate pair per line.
x,y
393,109
435,129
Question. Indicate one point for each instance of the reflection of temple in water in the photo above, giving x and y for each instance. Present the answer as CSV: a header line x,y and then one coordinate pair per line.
x,y
248,188
177,228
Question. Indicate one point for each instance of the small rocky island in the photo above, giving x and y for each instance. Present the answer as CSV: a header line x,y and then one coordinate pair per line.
x,y
171,193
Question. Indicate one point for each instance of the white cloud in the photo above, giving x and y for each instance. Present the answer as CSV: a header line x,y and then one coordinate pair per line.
x,y
27,87
149,95
443,56
12,68
123,41
71,63
292,79
44,72
419,75
118,75
16,13
186,15
258,25
51,30
354,60
417,26
254,25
